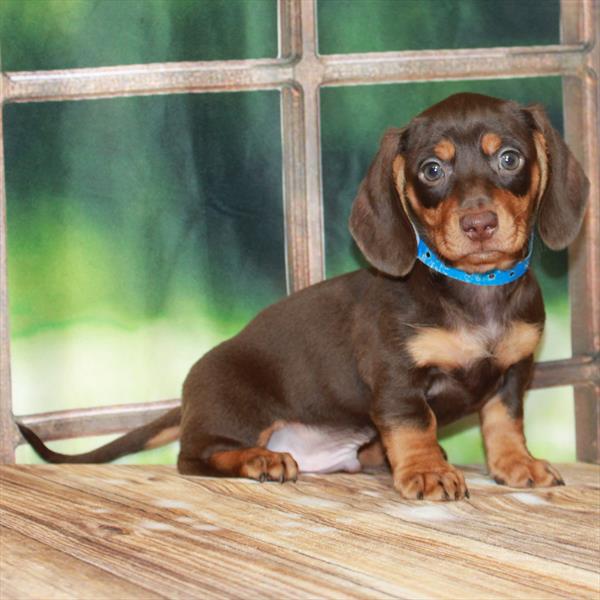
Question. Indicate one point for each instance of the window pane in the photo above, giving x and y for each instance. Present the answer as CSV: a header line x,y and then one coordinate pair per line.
x,y
550,424
353,120
549,429
383,25
141,232
61,34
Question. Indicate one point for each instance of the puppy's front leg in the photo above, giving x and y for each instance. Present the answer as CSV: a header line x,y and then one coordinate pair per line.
x,y
508,458
419,467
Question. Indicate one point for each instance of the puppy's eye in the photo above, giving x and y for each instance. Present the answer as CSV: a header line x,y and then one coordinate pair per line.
x,y
431,171
510,160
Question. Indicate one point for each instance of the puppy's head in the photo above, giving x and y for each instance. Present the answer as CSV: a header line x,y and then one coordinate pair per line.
x,y
473,174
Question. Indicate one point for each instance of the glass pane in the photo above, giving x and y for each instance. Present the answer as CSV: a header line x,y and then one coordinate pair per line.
x,y
353,120
549,429
61,34
141,232
550,424
384,25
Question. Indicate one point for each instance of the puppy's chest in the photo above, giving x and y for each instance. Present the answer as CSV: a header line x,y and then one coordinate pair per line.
x,y
463,347
464,366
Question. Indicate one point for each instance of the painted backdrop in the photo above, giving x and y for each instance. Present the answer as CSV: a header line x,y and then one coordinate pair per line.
x,y
143,231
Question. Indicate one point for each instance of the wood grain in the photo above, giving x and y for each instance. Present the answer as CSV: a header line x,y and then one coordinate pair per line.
x,y
131,532
28,565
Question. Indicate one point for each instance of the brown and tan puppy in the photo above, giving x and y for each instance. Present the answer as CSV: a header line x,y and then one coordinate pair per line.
x,y
385,356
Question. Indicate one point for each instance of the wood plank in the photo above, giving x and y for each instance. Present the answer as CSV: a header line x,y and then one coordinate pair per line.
x,y
339,536
175,558
28,569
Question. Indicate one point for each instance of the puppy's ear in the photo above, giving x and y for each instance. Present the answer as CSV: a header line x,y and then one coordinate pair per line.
x,y
564,196
378,222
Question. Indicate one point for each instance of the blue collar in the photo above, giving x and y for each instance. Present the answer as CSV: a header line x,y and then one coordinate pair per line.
x,y
496,277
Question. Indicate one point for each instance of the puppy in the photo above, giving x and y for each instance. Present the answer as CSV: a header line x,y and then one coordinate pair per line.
x,y
365,367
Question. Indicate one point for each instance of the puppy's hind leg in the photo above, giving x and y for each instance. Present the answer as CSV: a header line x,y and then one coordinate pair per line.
x,y
237,461
227,419
256,463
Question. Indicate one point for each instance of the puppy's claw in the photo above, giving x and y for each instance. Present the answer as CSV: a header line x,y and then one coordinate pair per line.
x,y
556,478
440,482
264,465
524,472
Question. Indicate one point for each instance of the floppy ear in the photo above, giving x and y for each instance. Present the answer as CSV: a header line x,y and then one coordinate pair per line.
x,y
378,222
564,197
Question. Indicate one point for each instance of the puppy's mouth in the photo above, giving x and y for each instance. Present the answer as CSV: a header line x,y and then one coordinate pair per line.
x,y
484,259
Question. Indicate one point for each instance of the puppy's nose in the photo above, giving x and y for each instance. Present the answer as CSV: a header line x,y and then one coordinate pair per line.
x,y
479,226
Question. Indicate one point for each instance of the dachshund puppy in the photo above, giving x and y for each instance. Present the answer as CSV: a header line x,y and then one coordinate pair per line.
x,y
365,367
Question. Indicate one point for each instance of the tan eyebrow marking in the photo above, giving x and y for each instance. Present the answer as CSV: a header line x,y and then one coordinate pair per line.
x,y
445,150
490,143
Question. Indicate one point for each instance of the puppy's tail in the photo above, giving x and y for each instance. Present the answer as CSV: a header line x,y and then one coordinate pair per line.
x,y
157,433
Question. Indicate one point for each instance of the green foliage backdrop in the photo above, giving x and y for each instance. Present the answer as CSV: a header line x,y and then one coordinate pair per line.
x,y
142,231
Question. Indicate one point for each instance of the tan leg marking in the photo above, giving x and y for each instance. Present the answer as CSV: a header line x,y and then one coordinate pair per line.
x,y
256,463
372,455
418,466
166,436
508,459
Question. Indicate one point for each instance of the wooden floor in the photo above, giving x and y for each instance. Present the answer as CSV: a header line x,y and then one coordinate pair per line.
x,y
121,532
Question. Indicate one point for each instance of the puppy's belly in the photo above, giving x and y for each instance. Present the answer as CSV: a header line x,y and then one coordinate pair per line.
x,y
321,449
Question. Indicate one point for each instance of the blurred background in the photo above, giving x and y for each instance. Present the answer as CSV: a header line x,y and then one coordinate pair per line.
x,y
143,231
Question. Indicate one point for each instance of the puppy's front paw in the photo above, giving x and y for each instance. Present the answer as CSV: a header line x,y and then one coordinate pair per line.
x,y
524,471
433,481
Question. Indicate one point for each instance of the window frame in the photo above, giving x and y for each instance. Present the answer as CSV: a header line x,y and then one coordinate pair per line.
x,y
299,72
